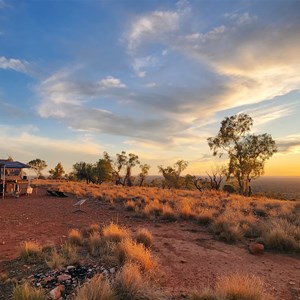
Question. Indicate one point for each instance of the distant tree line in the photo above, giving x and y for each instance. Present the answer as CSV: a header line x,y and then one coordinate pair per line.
x,y
247,154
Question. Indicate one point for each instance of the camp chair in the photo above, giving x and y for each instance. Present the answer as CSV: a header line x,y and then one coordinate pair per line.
x,y
79,203
51,193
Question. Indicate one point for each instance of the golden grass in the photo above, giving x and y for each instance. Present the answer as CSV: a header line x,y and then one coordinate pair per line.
x,y
231,217
282,235
241,287
128,251
30,251
234,287
131,284
115,233
75,237
145,237
98,288
99,246
27,292
94,228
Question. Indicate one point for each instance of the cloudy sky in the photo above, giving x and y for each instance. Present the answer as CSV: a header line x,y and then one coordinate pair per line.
x,y
79,77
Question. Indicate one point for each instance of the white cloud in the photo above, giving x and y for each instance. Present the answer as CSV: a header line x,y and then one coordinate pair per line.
x,y
62,88
14,64
111,82
151,26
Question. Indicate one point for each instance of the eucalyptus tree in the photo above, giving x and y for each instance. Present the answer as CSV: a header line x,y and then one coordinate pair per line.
x,y
247,152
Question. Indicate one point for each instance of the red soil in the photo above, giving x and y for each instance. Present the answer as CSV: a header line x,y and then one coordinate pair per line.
x,y
189,257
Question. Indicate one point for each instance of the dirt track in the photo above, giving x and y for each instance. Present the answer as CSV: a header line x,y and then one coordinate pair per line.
x,y
189,257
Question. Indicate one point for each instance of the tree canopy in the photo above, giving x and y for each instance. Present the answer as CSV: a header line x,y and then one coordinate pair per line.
x,y
172,174
38,165
247,152
57,172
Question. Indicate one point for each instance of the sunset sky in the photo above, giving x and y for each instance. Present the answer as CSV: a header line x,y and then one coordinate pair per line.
x,y
151,77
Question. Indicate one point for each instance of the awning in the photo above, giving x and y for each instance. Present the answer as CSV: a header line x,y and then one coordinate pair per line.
x,y
13,165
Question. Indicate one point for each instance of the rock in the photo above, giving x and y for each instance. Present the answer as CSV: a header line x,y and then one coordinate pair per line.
x,y
63,277
70,267
56,292
256,248
112,270
47,279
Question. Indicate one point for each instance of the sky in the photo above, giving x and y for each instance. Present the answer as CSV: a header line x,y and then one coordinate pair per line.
x,y
156,78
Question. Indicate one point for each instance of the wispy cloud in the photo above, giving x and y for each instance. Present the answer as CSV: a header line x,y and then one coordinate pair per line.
x,y
23,141
152,26
289,144
251,67
14,64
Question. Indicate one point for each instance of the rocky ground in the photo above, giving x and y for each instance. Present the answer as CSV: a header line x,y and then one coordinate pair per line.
x,y
188,256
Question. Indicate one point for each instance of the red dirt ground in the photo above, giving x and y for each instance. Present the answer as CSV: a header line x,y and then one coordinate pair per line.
x,y
189,257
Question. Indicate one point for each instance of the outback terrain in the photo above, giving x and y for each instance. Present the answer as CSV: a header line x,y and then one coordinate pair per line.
x,y
191,246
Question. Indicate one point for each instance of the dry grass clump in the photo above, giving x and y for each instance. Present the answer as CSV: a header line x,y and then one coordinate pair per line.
x,y
115,233
186,210
27,292
70,253
131,284
168,213
75,237
234,287
128,250
98,288
94,228
55,261
99,246
227,229
30,251
153,208
145,237
282,235
241,287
